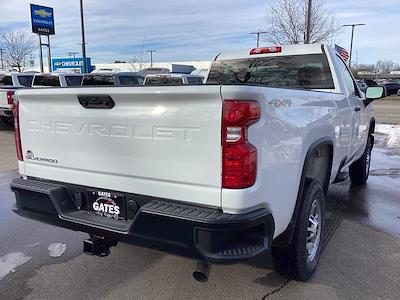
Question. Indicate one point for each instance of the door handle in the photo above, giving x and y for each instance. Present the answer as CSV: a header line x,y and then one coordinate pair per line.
x,y
357,108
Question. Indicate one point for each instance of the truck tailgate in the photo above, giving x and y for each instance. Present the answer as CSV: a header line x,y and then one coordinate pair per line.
x,y
157,141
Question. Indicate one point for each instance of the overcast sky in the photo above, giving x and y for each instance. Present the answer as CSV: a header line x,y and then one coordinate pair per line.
x,y
195,30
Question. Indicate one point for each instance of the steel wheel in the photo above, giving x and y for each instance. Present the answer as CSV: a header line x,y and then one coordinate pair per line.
x,y
313,230
367,162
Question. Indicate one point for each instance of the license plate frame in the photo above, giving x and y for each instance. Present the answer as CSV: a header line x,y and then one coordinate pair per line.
x,y
108,204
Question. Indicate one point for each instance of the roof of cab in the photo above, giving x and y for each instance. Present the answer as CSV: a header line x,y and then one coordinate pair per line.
x,y
57,74
298,49
174,75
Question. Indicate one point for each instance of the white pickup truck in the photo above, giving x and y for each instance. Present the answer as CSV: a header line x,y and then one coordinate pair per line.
x,y
9,83
219,172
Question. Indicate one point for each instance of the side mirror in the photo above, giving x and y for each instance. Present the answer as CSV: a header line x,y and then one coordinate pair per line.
x,y
374,93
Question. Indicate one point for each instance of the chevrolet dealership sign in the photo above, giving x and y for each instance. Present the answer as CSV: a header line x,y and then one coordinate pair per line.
x,y
71,64
42,19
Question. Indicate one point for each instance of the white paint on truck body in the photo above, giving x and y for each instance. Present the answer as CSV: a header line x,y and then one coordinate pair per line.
x,y
156,141
166,141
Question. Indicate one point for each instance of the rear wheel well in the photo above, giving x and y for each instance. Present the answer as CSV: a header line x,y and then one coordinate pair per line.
x,y
318,166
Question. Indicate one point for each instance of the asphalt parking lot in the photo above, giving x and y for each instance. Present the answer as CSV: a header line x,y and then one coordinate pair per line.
x,y
388,110
361,258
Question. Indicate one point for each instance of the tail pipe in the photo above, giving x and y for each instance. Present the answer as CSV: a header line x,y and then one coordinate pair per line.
x,y
201,271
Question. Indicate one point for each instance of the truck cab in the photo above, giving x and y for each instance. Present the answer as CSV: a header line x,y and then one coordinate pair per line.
x,y
173,79
56,80
113,79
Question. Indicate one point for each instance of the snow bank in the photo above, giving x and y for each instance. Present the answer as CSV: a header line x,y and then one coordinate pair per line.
x,y
392,133
9,262
386,153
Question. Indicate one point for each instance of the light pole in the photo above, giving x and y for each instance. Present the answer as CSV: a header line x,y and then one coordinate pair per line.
x,y
83,39
1,58
308,23
258,33
151,57
352,36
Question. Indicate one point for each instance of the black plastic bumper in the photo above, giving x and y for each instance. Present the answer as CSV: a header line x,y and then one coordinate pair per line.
x,y
173,227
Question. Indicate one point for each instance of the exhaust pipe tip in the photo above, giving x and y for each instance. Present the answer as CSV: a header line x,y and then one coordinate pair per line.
x,y
201,271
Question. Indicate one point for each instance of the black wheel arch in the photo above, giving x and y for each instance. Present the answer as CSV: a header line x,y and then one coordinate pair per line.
x,y
371,128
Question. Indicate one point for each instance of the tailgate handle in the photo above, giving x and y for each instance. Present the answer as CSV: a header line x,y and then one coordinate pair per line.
x,y
96,101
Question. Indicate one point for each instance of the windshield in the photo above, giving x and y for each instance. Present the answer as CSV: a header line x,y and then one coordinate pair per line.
x,y
297,71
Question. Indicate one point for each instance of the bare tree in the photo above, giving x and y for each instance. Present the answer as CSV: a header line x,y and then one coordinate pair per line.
x,y
17,47
366,67
285,22
139,59
384,66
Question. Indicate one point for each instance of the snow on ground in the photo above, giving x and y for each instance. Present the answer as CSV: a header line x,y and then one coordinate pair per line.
x,y
57,249
391,133
386,154
11,261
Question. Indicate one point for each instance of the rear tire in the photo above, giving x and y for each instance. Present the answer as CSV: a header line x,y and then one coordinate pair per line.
x,y
359,170
300,258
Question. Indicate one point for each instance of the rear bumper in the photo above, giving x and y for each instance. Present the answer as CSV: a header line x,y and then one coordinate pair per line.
x,y
173,227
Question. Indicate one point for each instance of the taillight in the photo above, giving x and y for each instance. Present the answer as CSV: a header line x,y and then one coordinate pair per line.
x,y
10,99
263,50
239,157
17,131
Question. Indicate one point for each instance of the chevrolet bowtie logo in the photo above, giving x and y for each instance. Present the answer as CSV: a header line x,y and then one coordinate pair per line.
x,y
42,13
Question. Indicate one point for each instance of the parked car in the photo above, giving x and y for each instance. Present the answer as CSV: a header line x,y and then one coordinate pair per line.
x,y
371,83
391,88
113,79
56,80
16,79
173,79
6,105
219,172
106,70
201,72
362,85
150,71
9,83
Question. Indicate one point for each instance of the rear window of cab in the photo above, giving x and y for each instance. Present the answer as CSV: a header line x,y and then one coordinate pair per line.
x,y
25,80
97,79
163,80
73,80
309,71
46,80
6,80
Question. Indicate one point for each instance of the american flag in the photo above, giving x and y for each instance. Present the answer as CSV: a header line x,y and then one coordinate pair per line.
x,y
342,52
